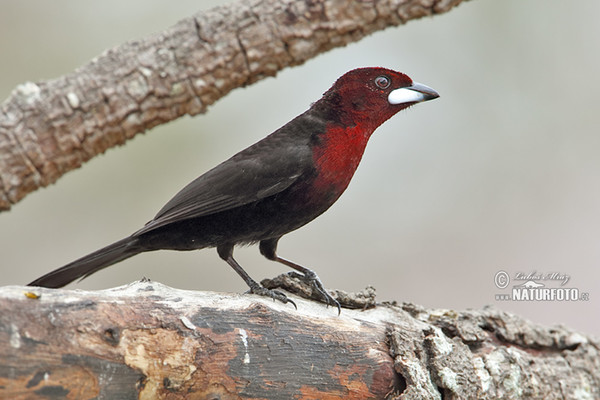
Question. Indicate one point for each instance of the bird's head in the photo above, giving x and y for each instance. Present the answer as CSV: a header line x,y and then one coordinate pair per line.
x,y
370,96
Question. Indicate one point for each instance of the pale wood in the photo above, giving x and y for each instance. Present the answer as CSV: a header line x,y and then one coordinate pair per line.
x,y
49,128
148,341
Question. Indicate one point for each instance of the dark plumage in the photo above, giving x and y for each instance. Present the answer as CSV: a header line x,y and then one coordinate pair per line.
x,y
271,188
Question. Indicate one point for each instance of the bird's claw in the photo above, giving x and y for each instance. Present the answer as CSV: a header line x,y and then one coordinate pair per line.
x,y
273,294
311,278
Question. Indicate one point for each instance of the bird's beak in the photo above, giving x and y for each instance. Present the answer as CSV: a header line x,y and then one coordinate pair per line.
x,y
415,93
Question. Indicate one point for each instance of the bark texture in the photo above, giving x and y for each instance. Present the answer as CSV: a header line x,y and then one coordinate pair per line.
x,y
149,341
49,128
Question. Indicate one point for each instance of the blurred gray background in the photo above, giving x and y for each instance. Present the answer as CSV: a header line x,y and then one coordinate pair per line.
x,y
499,173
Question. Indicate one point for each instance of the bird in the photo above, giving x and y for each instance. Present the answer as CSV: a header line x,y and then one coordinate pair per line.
x,y
271,188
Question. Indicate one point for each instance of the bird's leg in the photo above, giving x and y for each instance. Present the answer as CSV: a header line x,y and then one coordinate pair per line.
x,y
226,253
268,248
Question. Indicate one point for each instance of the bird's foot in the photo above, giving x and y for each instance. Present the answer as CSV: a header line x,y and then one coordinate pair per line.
x,y
312,279
274,294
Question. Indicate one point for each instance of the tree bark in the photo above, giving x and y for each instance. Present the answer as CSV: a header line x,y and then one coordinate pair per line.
x,y
148,341
49,128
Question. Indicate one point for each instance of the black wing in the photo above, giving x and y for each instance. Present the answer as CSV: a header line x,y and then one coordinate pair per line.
x,y
262,170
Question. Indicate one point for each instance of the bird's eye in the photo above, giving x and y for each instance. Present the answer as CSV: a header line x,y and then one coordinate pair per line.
x,y
382,82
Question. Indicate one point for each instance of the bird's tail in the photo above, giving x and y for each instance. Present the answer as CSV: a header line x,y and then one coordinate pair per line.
x,y
91,263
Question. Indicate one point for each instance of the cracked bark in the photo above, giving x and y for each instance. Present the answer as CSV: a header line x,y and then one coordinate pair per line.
x,y
49,128
146,340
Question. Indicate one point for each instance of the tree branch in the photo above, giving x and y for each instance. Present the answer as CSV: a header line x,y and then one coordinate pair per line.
x,y
49,128
147,340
